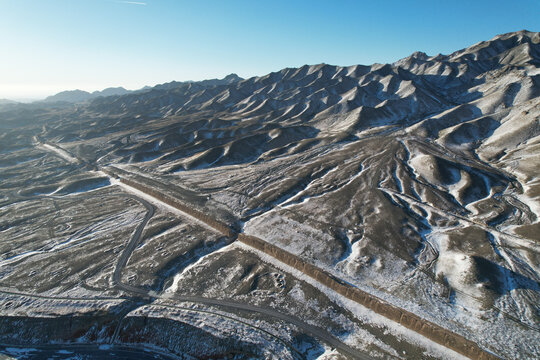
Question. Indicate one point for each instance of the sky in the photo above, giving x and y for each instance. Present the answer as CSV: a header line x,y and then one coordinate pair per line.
x,y
52,45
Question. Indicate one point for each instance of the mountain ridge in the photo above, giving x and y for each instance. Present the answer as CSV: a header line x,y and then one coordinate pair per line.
x,y
351,74
416,182
79,96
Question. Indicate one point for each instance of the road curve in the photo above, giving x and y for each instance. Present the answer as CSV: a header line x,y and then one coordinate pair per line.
x,y
141,292
135,239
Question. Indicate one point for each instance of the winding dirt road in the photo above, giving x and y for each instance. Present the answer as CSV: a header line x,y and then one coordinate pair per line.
x,y
230,304
138,292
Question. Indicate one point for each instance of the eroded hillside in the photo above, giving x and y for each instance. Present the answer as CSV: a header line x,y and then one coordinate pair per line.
x,y
415,181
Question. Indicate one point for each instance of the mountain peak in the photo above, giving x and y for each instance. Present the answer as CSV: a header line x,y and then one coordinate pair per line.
x,y
419,55
69,96
232,78
111,91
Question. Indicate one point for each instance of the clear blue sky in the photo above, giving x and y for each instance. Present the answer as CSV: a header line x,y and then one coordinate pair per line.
x,y
53,45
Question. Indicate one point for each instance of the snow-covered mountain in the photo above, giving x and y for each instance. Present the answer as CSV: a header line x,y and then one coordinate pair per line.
x,y
415,181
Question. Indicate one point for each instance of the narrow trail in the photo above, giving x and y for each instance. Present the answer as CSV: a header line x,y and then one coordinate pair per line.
x,y
57,150
135,240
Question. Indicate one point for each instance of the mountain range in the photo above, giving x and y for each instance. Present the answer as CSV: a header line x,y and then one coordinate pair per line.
x,y
416,182
79,96
75,96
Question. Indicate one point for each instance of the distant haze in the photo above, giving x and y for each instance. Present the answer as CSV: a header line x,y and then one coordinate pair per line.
x,y
52,46
34,92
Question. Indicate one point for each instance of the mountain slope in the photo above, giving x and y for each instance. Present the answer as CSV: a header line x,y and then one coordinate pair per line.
x,y
415,181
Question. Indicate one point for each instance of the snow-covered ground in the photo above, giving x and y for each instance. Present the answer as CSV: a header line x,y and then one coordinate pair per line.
x,y
415,181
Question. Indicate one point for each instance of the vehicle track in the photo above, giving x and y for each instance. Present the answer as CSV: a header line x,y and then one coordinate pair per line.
x,y
146,294
224,229
234,305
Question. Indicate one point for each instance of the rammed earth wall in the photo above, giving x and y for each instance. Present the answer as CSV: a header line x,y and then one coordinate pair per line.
x,y
409,320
